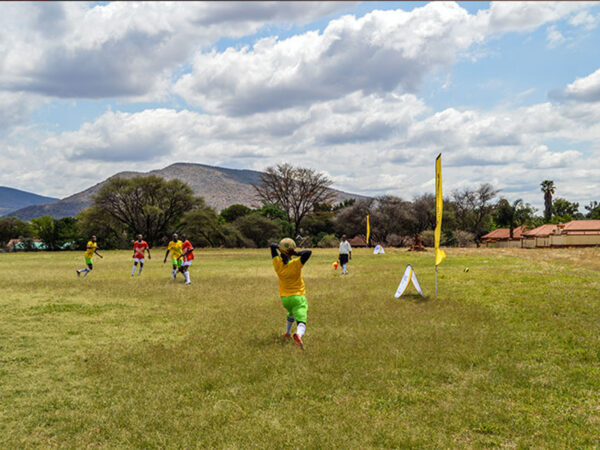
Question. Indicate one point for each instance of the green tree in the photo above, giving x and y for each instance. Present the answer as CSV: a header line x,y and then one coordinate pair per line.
x,y
593,211
231,213
258,229
109,231
513,215
44,229
344,204
207,229
277,214
13,228
548,189
147,205
565,211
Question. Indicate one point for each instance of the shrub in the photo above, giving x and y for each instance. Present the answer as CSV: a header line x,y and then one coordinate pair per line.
x,y
464,238
328,241
428,238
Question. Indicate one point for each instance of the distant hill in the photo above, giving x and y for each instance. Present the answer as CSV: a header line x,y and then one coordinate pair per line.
x,y
12,199
219,186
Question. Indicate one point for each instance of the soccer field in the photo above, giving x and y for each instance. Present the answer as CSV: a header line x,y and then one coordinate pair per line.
x,y
508,354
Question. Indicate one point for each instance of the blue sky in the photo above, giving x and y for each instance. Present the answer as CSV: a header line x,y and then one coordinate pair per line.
x,y
368,92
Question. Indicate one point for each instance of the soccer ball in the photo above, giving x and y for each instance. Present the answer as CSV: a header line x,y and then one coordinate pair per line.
x,y
286,245
466,269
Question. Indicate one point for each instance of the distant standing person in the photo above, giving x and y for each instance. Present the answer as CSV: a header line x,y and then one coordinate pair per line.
x,y
139,252
345,254
291,286
187,254
91,248
175,249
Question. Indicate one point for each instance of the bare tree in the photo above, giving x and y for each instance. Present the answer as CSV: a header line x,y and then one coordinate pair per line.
x,y
295,189
474,209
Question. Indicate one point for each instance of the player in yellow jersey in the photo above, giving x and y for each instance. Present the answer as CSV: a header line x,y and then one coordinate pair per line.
x,y
91,248
175,247
291,285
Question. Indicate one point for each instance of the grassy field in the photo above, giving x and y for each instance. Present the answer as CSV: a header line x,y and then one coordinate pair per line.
x,y
507,355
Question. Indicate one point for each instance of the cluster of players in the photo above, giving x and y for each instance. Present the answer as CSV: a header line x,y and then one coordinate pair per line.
x,y
182,255
287,262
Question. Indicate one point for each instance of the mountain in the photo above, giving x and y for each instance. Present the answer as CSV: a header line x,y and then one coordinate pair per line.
x,y
12,199
219,186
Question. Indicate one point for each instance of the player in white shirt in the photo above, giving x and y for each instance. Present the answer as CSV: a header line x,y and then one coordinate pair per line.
x,y
345,254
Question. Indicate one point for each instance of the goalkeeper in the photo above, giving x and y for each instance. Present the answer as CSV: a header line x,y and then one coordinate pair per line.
x,y
291,285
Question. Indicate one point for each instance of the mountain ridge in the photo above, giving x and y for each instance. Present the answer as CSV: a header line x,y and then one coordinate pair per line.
x,y
220,187
12,199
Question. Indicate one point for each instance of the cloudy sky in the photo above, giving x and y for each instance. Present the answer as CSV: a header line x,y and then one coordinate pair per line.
x,y
368,93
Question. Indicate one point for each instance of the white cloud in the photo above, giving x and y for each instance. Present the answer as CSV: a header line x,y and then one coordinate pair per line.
x,y
554,37
585,20
123,49
526,16
368,143
381,52
585,89
377,53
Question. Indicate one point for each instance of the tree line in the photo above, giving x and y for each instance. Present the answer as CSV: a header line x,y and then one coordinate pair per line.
x,y
296,202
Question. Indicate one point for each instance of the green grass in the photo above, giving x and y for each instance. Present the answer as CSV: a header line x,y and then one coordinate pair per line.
x,y
507,355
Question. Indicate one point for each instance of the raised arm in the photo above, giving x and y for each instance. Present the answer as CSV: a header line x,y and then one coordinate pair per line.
x,y
304,255
274,248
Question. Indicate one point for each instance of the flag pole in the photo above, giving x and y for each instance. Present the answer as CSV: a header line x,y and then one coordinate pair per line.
x,y
439,205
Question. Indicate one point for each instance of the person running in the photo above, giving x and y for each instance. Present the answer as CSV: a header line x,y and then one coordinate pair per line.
x,y
345,254
291,286
175,249
187,254
139,249
91,248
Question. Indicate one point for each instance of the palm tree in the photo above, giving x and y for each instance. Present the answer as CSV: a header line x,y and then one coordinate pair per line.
x,y
548,189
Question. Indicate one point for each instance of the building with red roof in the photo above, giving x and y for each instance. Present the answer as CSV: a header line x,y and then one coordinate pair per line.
x,y
500,238
577,233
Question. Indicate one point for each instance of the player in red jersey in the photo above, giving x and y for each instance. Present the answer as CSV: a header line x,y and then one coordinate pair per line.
x,y
187,253
139,249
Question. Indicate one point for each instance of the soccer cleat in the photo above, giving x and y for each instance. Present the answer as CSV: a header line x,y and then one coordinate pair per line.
x,y
78,273
287,335
298,340
188,282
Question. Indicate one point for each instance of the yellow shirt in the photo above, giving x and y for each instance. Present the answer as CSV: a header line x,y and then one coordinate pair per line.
x,y
175,248
91,248
290,277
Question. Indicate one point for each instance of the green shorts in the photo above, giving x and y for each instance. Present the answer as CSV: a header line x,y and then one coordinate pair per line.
x,y
177,262
297,307
88,261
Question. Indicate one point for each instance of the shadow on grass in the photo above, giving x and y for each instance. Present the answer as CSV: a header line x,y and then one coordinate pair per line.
x,y
270,340
415,298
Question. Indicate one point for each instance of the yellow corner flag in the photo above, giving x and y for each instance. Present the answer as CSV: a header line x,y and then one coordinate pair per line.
x,y
368,230
439,206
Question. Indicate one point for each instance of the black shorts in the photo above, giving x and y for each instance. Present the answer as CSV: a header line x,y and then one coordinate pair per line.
x,y
343,258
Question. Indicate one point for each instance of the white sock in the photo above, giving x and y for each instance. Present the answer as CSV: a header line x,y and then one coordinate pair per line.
x,y
288,324
344,267
301,329
173,273
187,277
140,272
85,272
133,270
